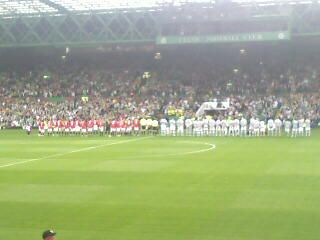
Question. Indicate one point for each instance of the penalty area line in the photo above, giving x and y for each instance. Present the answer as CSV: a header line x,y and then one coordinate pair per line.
x,y
74,151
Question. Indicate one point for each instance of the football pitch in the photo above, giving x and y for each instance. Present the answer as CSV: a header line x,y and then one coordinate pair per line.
x,y
159,188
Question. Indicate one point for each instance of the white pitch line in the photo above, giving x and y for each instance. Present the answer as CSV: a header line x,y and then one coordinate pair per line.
x,y
74,151
212,147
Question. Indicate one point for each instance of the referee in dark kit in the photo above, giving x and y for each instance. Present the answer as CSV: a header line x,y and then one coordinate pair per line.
x,y
49,235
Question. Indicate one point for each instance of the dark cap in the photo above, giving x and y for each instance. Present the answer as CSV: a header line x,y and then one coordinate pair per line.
x,y
48,233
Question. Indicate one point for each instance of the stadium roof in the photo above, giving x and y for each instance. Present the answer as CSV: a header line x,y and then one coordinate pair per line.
x,y
38,7
9,7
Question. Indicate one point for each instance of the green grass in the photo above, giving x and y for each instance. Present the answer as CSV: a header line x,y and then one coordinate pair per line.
x,y
159,188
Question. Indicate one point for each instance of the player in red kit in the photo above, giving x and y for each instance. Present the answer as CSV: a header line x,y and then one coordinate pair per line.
x,y
123,126
118,126
95,126
41,128
90,126
78,127
61,127
129,126
55,126
136,126
71,127
50,127
67,127
100,126
113,127
84,128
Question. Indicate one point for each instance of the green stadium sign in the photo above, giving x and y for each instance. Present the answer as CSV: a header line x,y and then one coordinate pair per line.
x,y
227,38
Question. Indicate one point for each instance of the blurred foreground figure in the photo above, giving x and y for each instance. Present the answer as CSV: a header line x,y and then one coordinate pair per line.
x,y
49,235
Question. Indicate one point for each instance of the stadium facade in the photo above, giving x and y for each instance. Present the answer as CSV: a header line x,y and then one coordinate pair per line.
x,y
92,23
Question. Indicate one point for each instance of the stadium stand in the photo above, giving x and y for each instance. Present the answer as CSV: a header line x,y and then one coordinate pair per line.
x,y
177,86
262,58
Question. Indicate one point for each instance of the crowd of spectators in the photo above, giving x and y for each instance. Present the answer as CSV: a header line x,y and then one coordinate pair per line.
x,y
94,92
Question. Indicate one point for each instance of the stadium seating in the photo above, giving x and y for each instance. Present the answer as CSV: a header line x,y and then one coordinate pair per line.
x,y
264,91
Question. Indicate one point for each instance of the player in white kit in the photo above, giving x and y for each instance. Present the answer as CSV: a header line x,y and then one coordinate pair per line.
x,y
278,125
236,125
263,128
180,127
231,127
287,127
205,125
201,126
256,127
218,127
212,127
301,126
197,127
163,126
172,127
251,126
294,132
194,127
271,127
224,127
243,125
188,124
307,124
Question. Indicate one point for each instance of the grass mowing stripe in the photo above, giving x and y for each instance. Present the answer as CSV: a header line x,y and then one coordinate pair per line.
x,y
74,151
245,189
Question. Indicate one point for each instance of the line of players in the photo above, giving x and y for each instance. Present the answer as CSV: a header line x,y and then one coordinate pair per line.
x,y
180,127
234,127
91,127
69,127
